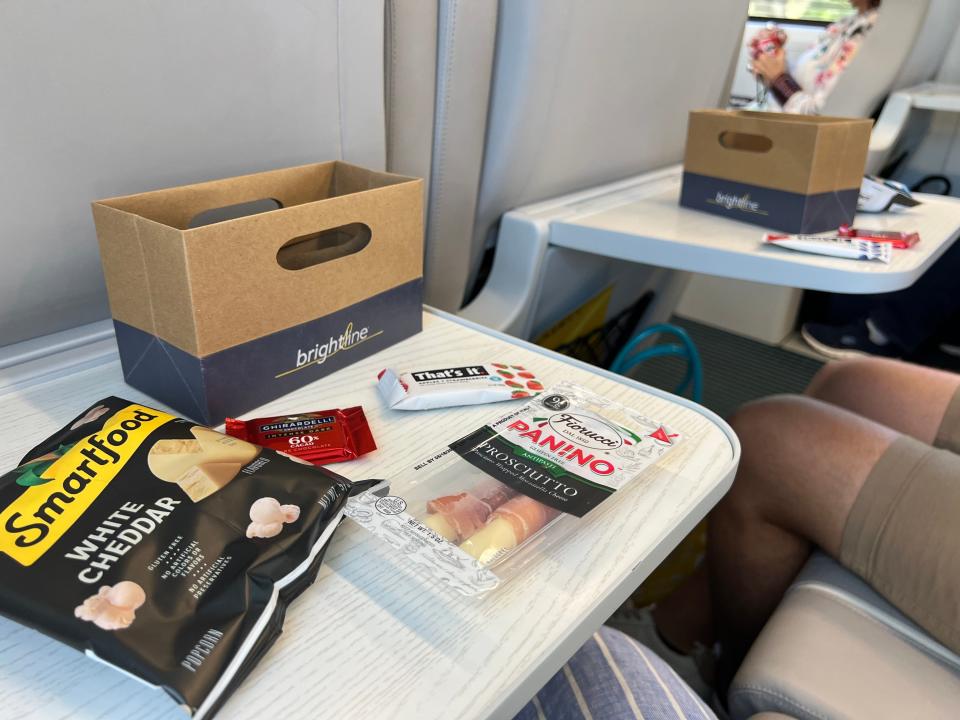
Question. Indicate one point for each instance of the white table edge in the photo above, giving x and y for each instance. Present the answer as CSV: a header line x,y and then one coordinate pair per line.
x,y
570,228
676,255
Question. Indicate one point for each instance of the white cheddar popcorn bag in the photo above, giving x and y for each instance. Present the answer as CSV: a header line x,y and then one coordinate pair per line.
x,y
471,514
161,547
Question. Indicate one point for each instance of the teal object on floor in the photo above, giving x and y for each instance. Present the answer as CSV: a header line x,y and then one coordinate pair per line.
x,y
627,359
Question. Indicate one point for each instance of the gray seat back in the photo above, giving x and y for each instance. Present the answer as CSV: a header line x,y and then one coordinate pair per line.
x,y
465,52
882,59
440,64
536,98
949,71
110,97
587,93
410,67
835,648
938,31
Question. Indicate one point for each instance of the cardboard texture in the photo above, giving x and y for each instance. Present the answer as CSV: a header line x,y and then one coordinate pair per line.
x,y
797,173
217,319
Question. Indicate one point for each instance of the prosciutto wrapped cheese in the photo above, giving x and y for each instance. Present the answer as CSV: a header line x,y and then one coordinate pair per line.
x,y
457,517
518,519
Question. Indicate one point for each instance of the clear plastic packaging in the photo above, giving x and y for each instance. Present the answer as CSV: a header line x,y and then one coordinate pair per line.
x,y
473,513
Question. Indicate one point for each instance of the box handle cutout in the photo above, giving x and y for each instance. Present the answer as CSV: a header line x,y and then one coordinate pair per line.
x,y
232,212
745,141
320,247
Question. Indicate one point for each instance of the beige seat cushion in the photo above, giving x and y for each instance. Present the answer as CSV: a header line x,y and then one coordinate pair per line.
x,y
834,650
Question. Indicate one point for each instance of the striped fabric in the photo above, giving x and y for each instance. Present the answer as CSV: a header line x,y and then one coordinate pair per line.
x,y
613,677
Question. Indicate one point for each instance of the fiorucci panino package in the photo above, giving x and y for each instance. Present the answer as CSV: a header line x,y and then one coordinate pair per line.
x,y
161,547
473,513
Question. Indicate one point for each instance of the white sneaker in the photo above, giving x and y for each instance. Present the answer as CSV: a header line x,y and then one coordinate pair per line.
x,y
639,624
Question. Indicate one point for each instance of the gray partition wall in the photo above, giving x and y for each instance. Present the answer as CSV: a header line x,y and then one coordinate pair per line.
x,y
111,97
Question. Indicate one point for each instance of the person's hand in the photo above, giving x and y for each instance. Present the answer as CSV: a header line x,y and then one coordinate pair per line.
x,y
770,66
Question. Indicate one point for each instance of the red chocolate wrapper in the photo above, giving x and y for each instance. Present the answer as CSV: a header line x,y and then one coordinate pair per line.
x,y
320,438
899,240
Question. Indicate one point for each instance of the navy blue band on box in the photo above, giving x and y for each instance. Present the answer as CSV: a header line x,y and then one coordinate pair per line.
x,y
771,208
245,376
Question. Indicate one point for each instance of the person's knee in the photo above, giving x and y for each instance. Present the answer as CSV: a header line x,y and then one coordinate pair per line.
x,y
802,464
838,381
831,376
762,426
759,421
775,438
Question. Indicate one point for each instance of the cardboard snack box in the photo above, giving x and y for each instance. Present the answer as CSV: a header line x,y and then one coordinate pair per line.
x,y
216,316
796,173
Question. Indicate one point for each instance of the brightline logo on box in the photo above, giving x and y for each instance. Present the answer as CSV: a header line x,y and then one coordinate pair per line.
x,y
731,201
319,354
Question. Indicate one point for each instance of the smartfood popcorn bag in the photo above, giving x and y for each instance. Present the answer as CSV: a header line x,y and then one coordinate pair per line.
x,y
161,547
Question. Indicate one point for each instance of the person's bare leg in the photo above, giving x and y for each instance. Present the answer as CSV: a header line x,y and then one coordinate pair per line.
x,y
685,617
908,398
802,465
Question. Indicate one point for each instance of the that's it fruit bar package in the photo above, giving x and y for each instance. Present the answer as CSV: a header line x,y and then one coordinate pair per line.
x,y
472,514
162,547
452,386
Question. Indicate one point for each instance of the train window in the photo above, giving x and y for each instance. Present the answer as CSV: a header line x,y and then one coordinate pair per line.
x,y
809,11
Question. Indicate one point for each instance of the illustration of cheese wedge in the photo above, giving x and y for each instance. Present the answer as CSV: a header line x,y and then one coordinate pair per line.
x,y
201,466
169,459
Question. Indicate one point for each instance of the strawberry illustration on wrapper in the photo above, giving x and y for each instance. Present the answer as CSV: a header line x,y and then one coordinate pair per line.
x,y
456,385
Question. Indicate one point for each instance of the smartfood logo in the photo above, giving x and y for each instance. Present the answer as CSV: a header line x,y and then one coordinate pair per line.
x,y
58,494
320,352
731,201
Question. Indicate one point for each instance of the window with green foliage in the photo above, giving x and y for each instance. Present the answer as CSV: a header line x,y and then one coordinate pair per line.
x,y
826,11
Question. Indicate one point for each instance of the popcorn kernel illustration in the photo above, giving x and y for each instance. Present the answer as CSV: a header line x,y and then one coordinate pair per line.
x,y
112,608
267,517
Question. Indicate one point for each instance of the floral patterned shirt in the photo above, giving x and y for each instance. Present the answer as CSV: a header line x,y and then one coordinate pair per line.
x,y
816,71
